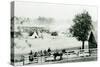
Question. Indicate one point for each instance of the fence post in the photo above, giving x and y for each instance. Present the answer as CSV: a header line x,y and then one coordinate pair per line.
x,y
23,59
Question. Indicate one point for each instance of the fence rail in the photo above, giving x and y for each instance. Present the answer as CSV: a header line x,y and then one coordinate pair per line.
x,y
69,55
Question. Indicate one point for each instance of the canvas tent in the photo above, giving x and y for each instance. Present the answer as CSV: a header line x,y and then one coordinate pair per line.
x,y
92,43
34,35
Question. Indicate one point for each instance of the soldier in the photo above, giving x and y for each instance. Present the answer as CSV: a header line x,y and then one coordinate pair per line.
x,y
31,56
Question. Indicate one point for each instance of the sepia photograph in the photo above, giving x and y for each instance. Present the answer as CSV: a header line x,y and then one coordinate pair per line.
x,y
48,33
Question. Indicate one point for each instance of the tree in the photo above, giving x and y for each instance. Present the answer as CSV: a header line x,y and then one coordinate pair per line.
x,y
82,26
49,50
45,53
35,54
63,51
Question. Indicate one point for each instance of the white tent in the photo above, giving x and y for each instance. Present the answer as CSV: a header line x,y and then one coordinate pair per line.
x,y
35,35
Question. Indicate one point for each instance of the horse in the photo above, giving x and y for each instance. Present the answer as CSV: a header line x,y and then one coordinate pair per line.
x,y
58,54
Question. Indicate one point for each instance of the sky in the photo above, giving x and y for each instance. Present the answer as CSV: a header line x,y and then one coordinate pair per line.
x,y
62,14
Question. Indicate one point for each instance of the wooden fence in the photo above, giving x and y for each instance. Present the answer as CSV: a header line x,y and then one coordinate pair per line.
x,y
68,55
